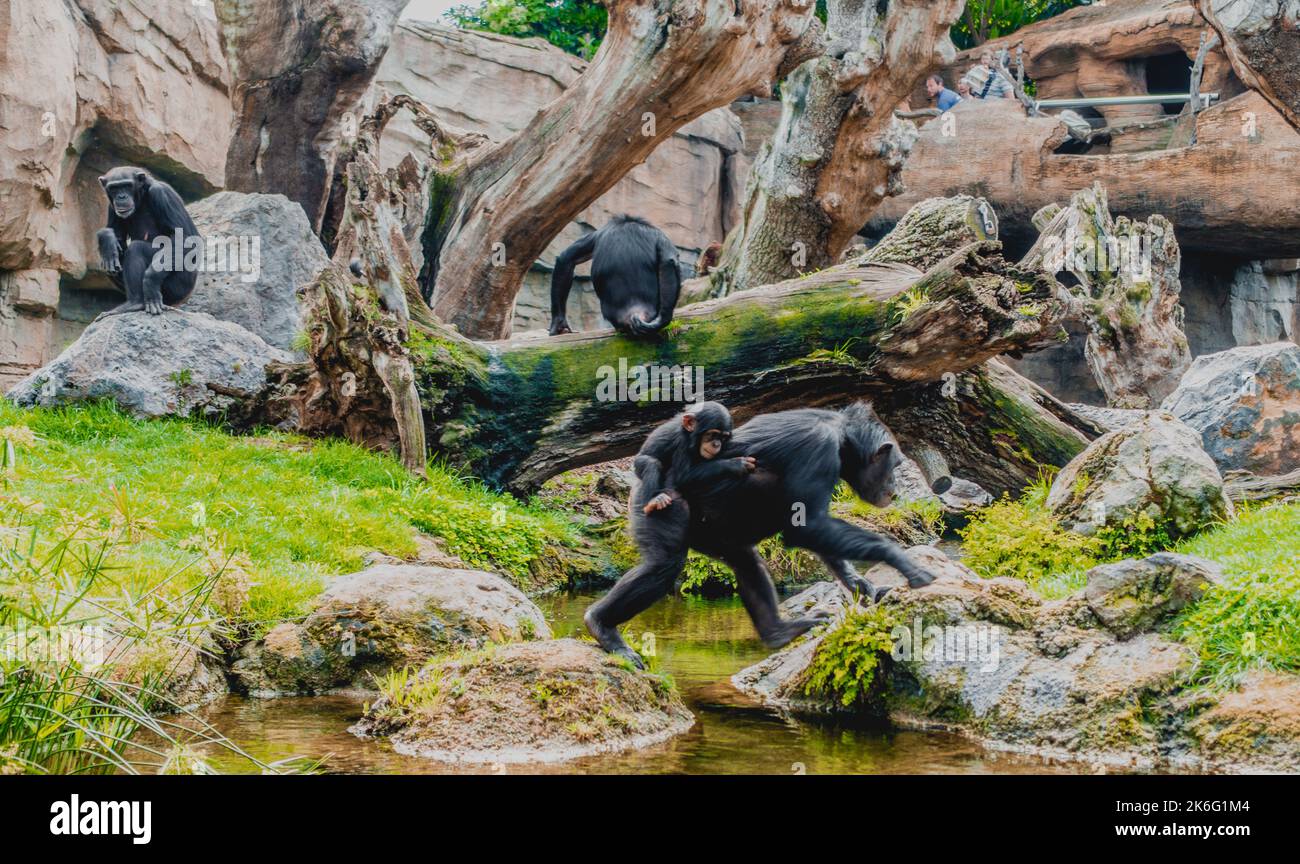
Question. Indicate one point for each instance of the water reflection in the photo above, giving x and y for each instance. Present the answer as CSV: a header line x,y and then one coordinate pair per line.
x,y
701,643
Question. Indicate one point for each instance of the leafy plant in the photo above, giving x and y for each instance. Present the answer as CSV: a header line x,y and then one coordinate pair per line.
x,y
989,19
1023,540
577,26
845,663
1252,621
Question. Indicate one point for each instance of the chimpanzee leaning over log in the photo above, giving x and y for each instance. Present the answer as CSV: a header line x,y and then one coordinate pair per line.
x,y
676,460
634,271
801,455
140,210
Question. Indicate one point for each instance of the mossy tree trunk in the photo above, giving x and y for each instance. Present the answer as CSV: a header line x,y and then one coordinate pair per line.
x,y
1123,284
838,150
517,412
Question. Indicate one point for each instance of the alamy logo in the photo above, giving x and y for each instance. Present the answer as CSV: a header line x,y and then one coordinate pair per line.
x,y
650,383
131,818
963,643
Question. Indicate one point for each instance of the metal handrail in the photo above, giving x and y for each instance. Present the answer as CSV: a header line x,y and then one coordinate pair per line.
x,y
1206,99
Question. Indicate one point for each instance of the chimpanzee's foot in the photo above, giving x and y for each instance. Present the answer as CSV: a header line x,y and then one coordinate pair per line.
x,y
918,578
611,640
787,631
121,310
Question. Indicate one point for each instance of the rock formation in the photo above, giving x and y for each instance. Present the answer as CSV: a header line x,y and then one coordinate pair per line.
x,y
264,250
111,84
174,364
1245,403
529,702
386,617
1153,470
989,658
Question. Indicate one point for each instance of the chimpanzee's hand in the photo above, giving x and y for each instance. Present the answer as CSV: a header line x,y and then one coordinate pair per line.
x,y
560,326
747,463
110,255
660,502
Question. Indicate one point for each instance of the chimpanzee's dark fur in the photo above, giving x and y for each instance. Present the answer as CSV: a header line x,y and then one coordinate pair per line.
x,y
141,209
634,271
801,456
669,462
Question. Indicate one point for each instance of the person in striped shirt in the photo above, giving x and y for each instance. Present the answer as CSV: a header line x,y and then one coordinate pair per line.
x,y
987,81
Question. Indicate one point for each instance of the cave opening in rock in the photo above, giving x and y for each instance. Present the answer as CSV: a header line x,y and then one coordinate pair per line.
x,y
1169,73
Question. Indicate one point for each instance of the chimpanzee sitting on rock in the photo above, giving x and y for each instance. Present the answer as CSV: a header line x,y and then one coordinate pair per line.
x,y
142,209
800,456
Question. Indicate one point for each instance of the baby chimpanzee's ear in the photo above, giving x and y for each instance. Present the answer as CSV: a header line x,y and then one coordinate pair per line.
x,y
688,422
103,181
883,451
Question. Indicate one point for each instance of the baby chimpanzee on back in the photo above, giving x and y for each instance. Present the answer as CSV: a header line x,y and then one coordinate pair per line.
x,y
677,458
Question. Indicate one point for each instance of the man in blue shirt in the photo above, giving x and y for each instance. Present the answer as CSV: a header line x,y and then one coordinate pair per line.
x,y
944,98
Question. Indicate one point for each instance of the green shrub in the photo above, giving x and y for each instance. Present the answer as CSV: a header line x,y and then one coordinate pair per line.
x,y
1023,540
844,665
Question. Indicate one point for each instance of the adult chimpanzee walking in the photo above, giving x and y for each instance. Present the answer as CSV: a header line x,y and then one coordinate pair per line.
x,y
634,271
801,455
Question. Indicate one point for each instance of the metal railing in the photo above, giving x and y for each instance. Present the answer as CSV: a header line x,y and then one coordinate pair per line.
x,y
1206,100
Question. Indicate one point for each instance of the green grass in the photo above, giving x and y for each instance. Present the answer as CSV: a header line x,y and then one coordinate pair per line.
x,y
288,511
1253,620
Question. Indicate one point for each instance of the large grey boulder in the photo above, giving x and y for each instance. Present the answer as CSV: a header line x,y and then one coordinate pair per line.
x,y
386,617
1154,466
1245,403
285,255
1135,595
177,363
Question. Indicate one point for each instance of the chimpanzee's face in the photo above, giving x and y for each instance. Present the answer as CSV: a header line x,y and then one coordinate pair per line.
x,y
874,482
121,194
712,442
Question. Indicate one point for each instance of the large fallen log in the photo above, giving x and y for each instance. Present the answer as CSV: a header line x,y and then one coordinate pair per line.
x,y
1234,191
517,412
992,425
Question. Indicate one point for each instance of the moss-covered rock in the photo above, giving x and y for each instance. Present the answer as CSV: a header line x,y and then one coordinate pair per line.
x,y
388,616
530,702
990,658
1254,727
1133,595
1150,476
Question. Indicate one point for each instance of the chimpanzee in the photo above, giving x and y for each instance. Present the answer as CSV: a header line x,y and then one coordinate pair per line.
x,y
801,455
634,271
142,208
676,460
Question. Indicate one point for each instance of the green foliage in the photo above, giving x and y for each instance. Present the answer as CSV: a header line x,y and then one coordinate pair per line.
x,y
87,656
290,510
983,20
1022,539
577,26
706,577
1253,619
845,663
